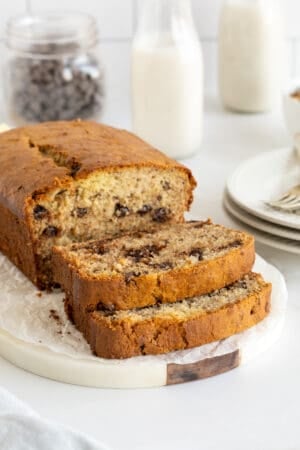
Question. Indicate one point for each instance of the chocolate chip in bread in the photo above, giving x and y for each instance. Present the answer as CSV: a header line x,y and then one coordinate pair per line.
x,y
142,268
64,182
185,324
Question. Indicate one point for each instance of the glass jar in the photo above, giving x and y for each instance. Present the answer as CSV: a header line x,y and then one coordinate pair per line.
x,y
251,55
52,71
167,77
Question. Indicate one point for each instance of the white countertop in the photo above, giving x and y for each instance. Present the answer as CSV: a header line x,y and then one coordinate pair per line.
x,y
254,407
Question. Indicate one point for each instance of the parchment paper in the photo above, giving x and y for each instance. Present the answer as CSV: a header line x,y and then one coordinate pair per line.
x,y
39,318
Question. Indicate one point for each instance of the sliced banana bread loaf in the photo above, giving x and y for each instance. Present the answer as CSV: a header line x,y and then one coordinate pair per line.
x,y
189,323
145,268
64,182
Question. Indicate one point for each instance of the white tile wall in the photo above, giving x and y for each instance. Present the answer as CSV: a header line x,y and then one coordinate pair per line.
x,y
296,59
115,17
116,61
116,20
210,58
206,13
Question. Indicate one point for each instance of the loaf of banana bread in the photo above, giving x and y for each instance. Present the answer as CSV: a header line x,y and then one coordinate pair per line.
x,y
192,322
64,182
146,268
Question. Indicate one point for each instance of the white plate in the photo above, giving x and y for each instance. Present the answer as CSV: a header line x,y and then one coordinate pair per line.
x,y
259,224
263,178
47,344
280,243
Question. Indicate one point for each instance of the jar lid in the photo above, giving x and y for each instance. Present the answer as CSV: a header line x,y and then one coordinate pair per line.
x,y
51,33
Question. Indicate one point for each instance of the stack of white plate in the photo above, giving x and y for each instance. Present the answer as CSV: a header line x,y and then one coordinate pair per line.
x,y
256,181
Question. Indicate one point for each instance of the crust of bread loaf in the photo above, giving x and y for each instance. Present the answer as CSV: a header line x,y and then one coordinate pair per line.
x,y
94,147
15,243
26,173
113,293
122,339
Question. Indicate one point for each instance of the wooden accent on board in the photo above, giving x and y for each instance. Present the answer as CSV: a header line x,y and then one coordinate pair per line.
x,y
182,373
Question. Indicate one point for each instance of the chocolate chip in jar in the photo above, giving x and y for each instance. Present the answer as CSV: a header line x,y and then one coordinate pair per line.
x,y
61,79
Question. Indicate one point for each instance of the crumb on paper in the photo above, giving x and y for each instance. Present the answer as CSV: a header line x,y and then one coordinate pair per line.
x,y
54,315
39,294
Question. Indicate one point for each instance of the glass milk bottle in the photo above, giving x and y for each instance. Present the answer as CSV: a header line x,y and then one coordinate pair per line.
x,y
251,55
167,78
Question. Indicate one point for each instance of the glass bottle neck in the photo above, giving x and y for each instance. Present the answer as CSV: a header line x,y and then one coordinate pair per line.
x,y
164,16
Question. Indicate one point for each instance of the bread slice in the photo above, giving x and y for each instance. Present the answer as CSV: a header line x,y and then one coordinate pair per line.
x,y
147,268
64,182
185,324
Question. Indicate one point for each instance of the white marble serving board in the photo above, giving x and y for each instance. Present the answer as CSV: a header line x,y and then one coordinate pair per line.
x,y
36,335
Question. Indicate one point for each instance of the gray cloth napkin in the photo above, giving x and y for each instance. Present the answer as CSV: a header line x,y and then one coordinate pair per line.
x,y
21,428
